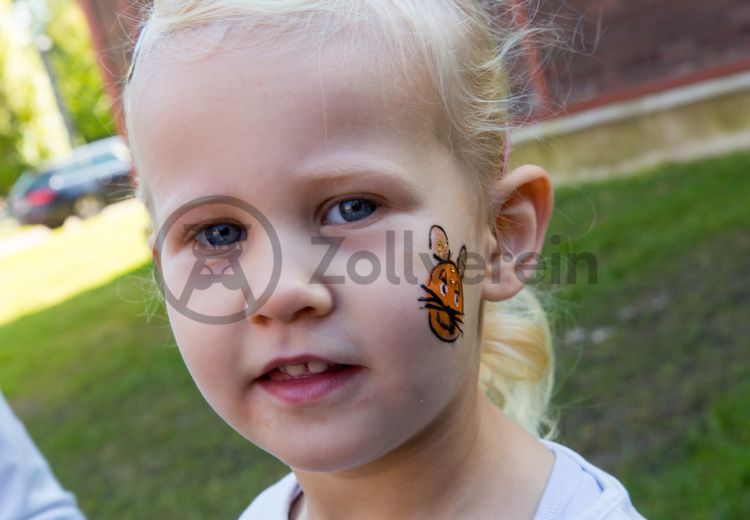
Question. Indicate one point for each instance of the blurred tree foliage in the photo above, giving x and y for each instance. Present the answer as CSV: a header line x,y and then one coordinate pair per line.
x,y
31,129
78,75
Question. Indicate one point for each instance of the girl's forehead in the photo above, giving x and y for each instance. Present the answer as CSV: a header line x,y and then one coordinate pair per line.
x,y
345,61
183,93
338,73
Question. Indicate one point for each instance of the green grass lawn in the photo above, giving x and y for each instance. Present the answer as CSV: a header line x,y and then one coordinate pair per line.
x,y
108,400
655,385
653,379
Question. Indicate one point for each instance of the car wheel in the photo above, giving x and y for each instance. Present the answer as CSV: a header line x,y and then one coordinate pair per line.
x,y
54,224
87,205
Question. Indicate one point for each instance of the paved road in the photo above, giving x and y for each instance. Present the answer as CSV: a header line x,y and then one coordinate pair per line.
x,y
17,242
14,242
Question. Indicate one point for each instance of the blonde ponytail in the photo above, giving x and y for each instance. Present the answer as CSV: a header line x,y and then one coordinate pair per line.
x,y
517,360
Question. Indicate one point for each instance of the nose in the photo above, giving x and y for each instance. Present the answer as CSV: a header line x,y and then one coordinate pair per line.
x,y
298,294
293,299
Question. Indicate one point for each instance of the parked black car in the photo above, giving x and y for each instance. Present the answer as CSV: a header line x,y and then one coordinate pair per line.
x,y
81,184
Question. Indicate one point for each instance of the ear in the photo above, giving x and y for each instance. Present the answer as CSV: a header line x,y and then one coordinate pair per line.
x,y
439,242
461,261
520,221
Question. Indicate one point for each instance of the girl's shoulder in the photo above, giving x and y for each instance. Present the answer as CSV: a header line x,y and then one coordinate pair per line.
x,y
274,502
578,489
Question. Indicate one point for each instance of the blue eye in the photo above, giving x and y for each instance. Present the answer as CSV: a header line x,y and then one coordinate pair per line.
x,y
350,210
222,234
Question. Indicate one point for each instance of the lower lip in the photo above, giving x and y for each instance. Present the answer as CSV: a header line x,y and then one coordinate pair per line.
x,y
312,387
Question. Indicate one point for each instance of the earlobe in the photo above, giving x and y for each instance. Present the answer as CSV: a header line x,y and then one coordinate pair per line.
x,y
520,224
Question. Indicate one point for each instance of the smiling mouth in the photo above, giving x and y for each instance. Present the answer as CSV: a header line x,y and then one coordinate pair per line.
x,y
297,385
299,371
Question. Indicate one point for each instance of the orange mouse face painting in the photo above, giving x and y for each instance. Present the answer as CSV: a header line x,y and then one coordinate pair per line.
x,y
445,294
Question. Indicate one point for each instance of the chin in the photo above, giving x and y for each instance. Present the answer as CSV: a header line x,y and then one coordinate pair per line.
x,y
325,454
333,459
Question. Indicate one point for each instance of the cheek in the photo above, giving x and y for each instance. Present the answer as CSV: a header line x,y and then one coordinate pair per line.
x,y
194,285
411,363
211,357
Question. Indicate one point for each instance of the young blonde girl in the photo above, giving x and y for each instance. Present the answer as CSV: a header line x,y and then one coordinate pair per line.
x,y
349,157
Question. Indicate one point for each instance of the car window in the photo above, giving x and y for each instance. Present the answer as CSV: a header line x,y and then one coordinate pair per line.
x,y
30,182
23,182
88,169
75,169
103,158
40,181
92,160
89,161
64,168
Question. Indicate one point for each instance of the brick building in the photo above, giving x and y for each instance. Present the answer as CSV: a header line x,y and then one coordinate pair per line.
x,y
634,47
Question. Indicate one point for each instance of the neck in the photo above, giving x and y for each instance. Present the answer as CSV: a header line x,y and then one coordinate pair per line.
x,y
468,460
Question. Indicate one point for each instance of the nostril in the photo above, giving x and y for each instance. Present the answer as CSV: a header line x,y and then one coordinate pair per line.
x,y
261,319
306,312
257,319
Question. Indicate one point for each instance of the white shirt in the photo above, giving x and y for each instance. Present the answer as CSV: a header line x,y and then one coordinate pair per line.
x,y
28,489
576,489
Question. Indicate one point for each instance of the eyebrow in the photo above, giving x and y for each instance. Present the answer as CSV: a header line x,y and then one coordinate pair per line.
x,y
350,173
346,172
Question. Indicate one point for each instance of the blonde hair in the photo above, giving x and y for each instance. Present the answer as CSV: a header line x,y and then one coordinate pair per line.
x,y
468,53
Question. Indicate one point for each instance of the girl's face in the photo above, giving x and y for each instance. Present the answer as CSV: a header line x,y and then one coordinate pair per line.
x,y
325,151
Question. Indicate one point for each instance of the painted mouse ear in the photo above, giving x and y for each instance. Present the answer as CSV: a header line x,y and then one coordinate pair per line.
x,y
461,261
439,242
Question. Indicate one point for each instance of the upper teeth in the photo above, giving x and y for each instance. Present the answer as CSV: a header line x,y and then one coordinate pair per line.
x,y
313,367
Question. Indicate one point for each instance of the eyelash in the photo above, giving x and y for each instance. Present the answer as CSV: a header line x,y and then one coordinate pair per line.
x,y
192,234
375,201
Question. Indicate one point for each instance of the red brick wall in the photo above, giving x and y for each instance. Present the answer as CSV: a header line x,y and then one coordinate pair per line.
x,y
635,46
625,48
